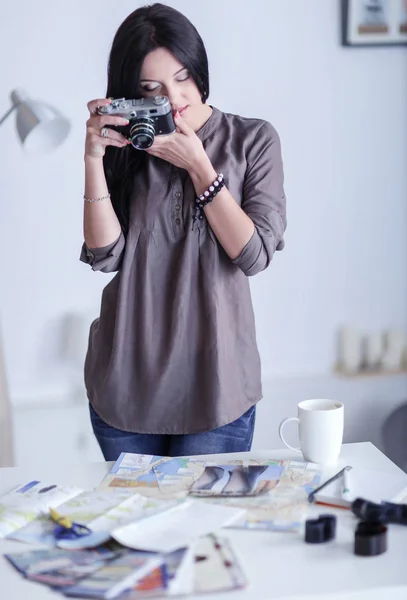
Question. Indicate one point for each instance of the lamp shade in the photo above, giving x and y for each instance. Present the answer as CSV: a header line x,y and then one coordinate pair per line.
x,y
40,127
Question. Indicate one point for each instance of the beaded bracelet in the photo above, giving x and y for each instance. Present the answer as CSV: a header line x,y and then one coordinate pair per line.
x,y
207,197
96,199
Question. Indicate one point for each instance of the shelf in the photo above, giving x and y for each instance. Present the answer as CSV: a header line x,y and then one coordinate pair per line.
x,y
368,374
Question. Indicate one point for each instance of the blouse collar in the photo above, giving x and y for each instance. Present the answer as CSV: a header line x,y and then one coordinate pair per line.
x,y
210,125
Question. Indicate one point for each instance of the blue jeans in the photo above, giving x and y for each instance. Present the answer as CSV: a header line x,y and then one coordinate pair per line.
x,y
233,437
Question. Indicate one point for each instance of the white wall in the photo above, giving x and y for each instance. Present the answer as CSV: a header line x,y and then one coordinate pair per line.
x,y
341,114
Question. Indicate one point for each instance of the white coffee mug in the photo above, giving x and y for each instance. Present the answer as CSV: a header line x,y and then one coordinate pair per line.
x,y
320,425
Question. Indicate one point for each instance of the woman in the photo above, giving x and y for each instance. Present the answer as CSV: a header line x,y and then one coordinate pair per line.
x,y
172,366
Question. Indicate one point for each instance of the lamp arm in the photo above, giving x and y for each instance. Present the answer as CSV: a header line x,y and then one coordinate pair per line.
x,y
8,113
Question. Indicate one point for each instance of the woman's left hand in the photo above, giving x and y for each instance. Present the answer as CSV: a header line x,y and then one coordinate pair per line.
x,y
183,148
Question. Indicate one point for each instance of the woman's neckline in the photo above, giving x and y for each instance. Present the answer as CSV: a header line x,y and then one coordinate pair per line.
x,y
210,124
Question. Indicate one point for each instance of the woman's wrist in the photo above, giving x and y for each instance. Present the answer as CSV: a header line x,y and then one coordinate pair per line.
x,y
93,162
93,157
202,174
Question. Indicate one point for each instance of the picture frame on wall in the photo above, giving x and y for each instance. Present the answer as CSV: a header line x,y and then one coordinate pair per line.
x,y
374,22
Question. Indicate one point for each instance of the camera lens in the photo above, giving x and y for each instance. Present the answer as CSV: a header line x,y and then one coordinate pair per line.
x,y
142,133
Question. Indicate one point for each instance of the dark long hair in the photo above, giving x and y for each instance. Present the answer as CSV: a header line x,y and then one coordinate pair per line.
x,y
144,30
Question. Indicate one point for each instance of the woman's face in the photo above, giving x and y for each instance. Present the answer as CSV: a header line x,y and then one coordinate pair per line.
x,y
163,75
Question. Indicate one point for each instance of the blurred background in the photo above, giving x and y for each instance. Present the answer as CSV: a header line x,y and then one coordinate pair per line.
x,y
341,112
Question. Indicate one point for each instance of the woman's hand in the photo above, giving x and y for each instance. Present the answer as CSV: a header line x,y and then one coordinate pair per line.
x,y
95,143
183,148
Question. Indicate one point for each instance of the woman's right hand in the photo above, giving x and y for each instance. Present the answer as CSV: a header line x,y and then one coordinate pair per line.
x,y
95,143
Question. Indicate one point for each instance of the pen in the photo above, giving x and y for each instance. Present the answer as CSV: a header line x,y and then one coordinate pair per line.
x,y
311,496
345,484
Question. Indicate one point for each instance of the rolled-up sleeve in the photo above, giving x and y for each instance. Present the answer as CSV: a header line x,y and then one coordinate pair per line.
x,y
107,259
264,201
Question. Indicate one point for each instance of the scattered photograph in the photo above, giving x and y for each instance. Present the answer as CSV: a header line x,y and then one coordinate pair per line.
x,y
237,480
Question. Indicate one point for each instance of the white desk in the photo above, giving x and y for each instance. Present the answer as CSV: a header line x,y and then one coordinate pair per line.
x,y
277,565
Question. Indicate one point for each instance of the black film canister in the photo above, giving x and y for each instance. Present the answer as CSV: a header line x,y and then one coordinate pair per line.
x,y
318,531
370,539
330,526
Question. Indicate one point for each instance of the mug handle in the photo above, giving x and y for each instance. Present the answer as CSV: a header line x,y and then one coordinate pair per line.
x,y
280,433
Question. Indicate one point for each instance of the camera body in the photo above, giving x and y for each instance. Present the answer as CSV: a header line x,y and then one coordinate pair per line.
x,y
385,512
148,117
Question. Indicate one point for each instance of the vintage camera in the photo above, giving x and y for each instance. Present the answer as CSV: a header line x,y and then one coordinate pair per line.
x,y
148,117
385,512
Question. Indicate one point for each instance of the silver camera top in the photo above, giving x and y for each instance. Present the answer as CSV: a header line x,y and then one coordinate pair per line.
x,y
140,107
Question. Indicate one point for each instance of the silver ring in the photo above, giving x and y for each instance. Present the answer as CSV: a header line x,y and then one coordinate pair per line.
x,y
104,132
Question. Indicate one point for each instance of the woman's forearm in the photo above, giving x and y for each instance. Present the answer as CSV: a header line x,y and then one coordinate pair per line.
x,y
101,226
230,224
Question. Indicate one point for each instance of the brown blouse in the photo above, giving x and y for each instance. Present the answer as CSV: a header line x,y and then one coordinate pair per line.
x,y
174,349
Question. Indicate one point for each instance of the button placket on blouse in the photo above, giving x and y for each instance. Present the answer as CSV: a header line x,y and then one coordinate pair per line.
x,y
176,197
177,207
